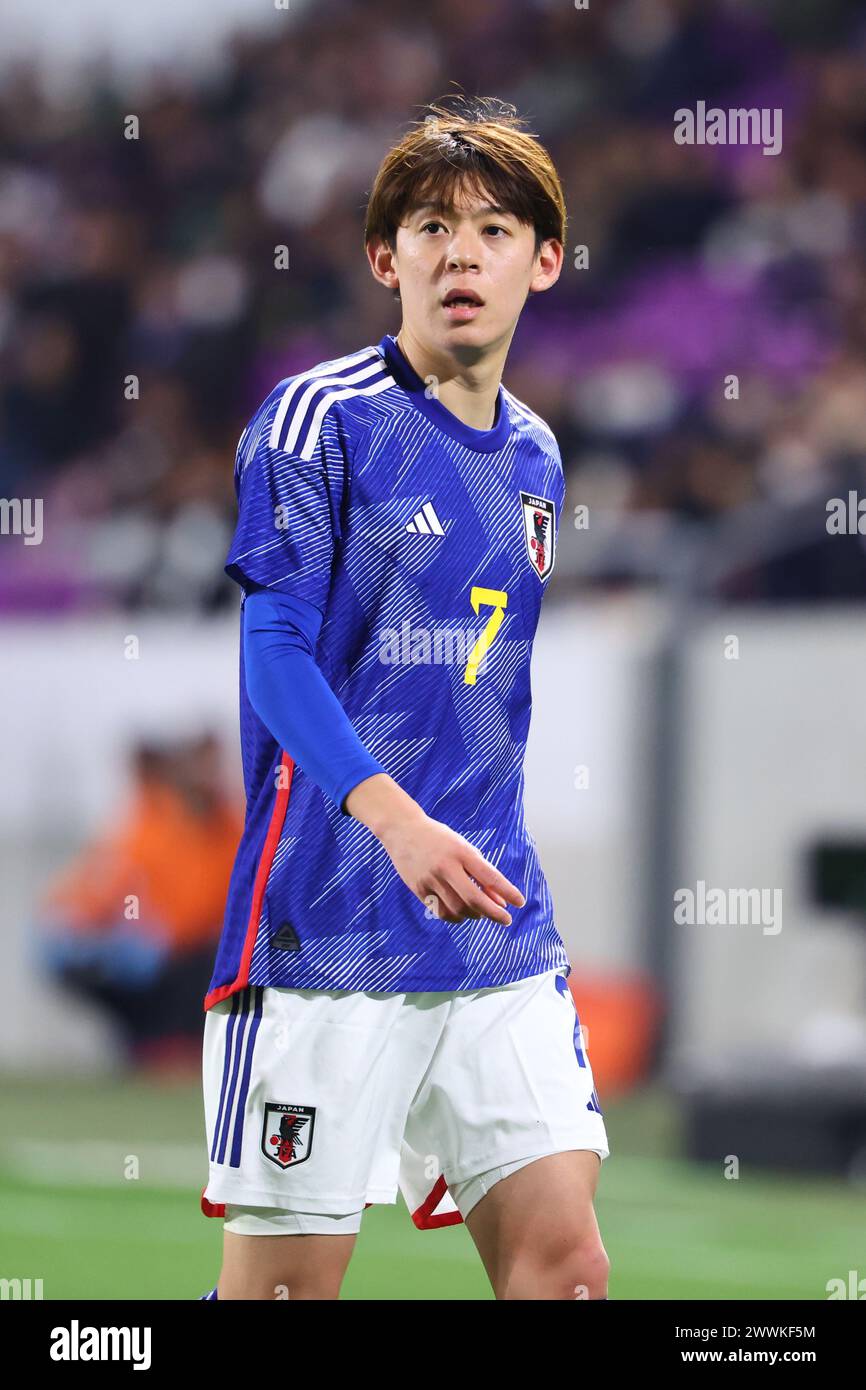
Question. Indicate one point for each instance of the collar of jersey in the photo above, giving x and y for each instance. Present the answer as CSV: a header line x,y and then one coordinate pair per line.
x,y
488,441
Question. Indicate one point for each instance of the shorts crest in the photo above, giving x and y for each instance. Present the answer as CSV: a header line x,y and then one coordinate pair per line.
x,y
287,1133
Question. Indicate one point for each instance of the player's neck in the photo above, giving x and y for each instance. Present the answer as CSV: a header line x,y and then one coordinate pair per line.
x,y
468,392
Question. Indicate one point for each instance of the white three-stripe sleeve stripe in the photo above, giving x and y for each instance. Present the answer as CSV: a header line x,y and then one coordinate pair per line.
x,y
324,405
318,374
313,386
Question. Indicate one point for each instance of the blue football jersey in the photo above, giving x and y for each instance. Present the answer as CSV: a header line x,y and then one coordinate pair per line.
x,y
427,547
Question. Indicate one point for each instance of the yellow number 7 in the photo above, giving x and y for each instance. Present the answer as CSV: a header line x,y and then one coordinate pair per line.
x,y
498,600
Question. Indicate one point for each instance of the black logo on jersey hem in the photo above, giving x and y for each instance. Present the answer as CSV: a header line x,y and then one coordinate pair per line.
x,y
539,529
287,1133
286,938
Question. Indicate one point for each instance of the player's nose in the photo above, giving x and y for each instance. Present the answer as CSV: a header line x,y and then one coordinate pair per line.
x,y
462,257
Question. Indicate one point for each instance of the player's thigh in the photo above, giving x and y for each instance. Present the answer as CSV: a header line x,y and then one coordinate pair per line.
x,y
271,1253
541,1219
284,1267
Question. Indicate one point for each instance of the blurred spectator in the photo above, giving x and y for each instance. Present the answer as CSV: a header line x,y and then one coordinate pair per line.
x,y
132,924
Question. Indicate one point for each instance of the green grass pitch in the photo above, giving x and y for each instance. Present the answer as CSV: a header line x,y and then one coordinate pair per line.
x,y
73,1214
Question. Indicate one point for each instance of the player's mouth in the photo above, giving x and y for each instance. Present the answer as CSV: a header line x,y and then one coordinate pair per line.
x,y
461,306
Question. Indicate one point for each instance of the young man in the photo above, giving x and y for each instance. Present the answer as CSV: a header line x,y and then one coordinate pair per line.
x,y
389,1006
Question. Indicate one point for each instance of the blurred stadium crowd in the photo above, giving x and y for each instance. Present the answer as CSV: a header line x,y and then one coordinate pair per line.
x,y
155,257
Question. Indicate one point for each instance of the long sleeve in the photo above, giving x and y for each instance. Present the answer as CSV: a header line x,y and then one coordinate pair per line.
x,y
292,698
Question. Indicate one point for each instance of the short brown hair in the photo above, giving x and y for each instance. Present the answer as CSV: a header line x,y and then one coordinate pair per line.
x,y
482,144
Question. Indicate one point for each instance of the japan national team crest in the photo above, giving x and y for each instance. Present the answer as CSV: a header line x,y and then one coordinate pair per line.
x,y
539,525
287,1134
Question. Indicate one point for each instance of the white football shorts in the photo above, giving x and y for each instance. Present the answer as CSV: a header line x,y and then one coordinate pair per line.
x,y
319,1103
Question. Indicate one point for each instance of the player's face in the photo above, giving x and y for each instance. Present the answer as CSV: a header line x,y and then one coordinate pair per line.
x,y
476,249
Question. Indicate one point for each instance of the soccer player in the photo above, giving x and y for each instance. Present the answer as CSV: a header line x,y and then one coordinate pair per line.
x,y
390,1006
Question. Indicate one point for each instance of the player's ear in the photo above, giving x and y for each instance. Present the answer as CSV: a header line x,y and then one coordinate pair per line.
x,y
380,255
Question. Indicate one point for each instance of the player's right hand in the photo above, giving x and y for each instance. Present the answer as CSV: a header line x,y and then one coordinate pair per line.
x,y
447,873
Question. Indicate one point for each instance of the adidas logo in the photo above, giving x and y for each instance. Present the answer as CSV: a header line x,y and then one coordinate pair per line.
x,y
426,522
286,939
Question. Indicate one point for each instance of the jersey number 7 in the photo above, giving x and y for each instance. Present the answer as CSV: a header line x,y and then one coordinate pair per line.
x,y
498,600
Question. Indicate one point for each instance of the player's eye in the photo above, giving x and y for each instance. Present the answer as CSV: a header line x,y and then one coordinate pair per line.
x,y
491,227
